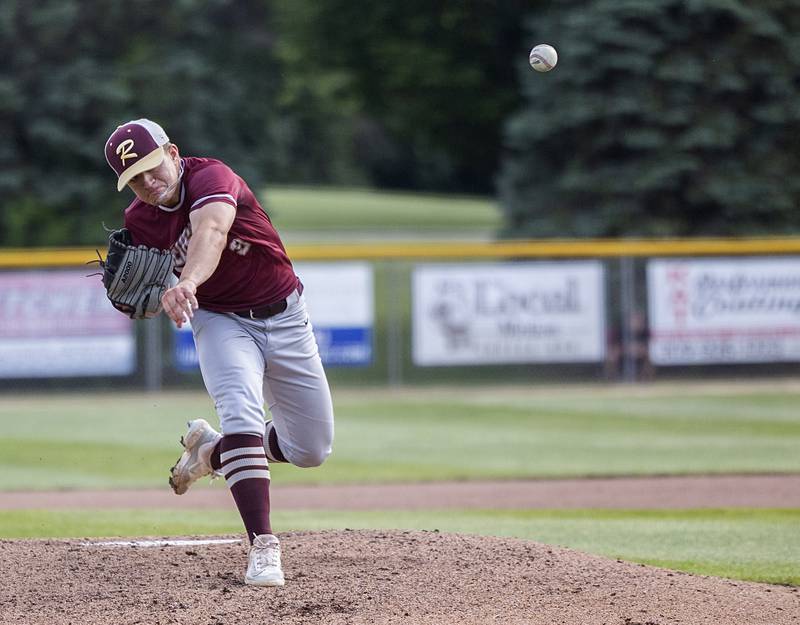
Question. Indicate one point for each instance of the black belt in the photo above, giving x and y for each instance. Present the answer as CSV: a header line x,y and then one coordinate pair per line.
x,y
265,312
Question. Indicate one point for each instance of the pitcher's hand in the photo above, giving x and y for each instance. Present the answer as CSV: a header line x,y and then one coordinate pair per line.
x,y
180,302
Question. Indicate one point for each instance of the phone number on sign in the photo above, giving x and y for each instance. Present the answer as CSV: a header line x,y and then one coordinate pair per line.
x,y
724,350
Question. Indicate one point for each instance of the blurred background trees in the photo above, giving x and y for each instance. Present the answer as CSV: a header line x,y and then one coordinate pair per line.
x,y
72,70
663,117
425,85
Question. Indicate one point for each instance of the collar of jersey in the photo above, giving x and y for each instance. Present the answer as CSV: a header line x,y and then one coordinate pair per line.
x,y
172,209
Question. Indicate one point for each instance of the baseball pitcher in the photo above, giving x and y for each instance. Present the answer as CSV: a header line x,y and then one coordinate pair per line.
x,y
197,244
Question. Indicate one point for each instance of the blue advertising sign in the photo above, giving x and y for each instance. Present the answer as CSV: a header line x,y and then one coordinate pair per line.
x,y
184,352
344,346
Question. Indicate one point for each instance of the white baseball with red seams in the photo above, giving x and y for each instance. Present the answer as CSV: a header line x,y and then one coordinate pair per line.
x,y
543,57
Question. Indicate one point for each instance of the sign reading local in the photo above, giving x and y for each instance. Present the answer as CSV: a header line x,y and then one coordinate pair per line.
x,y
526,312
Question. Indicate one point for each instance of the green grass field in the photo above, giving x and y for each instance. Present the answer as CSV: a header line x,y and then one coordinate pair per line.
x,y
106,441
334,211
111,441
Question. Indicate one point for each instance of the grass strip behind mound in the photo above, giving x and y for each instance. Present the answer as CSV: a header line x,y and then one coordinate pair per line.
x,y
753,545
388,435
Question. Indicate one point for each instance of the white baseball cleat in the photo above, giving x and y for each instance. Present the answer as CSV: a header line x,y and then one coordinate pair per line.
x,y
264,562
195,461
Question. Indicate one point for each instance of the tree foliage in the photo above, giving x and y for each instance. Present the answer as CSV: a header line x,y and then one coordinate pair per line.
x,y
74,70
666,117
663,117
423,86
408,94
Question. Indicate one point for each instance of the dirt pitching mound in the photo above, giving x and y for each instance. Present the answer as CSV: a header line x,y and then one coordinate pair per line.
x,y
366,577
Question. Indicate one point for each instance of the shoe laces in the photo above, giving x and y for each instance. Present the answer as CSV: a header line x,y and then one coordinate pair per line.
x,y
266,554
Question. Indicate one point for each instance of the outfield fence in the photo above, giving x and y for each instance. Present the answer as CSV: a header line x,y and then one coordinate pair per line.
x,y
441,312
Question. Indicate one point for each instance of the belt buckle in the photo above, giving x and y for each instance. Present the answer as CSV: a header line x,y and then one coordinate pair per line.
x,y
251,315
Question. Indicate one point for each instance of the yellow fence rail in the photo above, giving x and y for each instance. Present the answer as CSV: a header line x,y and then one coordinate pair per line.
x,y
544,248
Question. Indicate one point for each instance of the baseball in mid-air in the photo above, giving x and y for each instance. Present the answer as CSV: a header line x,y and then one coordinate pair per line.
x,y
543,57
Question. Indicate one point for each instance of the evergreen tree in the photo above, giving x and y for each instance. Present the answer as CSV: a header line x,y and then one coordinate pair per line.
x,y
666,117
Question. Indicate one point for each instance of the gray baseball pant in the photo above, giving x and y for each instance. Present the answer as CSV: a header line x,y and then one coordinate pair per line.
x,y
245,361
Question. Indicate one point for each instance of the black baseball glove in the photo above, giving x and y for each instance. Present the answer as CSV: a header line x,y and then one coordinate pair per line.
x,y
135,277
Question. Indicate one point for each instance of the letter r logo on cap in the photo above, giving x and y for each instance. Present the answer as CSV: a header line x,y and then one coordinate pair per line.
x,y
124,151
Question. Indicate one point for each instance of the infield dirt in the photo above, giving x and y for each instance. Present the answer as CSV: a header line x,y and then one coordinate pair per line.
x,y
375,577
378,577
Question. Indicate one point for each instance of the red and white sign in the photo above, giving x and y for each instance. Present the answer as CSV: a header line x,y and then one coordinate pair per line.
x,y
725,310
60,324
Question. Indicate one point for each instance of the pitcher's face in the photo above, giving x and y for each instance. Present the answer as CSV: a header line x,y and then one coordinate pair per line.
x,y
160,185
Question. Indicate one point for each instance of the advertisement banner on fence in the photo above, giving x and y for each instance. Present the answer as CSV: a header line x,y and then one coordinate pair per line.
x,y
475,314
60,324
340,302
725,310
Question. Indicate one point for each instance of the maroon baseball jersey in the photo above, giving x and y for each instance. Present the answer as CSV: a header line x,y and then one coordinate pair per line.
x,y
254,269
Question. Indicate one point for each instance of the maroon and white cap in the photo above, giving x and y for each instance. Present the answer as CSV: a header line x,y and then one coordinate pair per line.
x,y
134,147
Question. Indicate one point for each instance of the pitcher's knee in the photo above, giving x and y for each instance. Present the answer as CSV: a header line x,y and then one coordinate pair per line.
x,y
306,459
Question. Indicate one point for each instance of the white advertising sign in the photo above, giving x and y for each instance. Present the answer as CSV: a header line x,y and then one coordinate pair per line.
x,y
473,314
60,324
727,310
338,294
